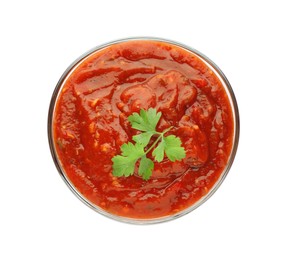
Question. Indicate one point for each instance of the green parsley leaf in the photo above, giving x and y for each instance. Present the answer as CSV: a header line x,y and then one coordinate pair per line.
x,y
132,150
146,120
124,165
173,148
143,138
146,167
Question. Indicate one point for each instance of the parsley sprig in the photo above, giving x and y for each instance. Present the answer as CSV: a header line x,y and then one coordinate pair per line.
x,y
146,122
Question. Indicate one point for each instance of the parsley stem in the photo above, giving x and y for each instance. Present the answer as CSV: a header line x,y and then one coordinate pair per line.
x,y
161,134
154,143
167,129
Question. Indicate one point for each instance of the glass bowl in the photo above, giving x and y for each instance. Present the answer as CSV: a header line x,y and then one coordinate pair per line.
x,y
230,94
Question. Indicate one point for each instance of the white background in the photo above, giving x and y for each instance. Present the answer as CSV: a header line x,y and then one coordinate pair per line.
x,y
41,219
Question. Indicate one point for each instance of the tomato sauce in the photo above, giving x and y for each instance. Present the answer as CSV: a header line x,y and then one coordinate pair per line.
x,y
90,125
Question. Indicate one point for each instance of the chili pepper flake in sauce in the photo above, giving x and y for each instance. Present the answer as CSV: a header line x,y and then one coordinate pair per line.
x,y
90,125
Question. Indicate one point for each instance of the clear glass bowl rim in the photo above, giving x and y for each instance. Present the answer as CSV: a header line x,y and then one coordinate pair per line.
x,y
96,208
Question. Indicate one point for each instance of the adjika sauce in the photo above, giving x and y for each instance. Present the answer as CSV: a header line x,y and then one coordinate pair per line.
x,y
90,125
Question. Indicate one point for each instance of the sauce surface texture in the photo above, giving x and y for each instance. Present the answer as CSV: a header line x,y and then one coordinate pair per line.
x,y
90,125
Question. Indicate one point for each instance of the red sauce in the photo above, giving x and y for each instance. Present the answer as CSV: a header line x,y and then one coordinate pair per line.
x,y
90,125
